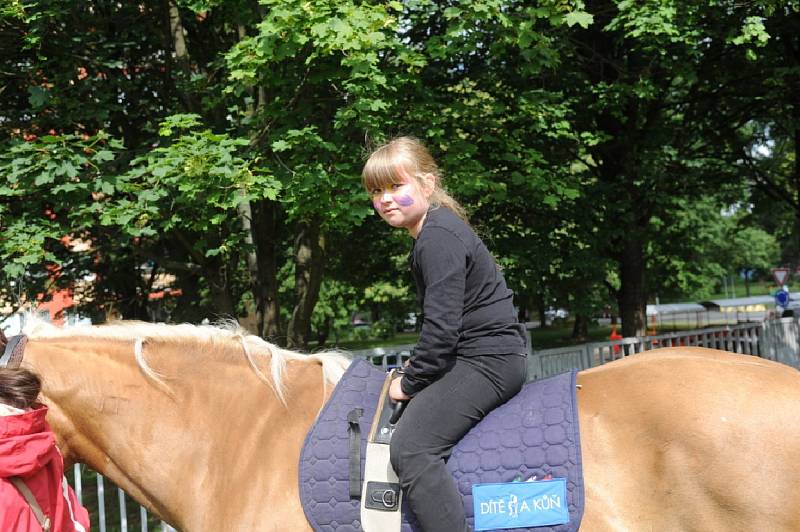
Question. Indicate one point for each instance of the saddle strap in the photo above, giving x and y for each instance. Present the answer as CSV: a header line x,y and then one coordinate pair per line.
x,y
44,521
354,429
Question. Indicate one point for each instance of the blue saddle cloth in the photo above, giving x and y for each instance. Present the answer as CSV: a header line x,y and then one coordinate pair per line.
x,y
535,433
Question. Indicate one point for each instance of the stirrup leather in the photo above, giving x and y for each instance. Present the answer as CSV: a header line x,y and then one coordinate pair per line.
x,y
381,496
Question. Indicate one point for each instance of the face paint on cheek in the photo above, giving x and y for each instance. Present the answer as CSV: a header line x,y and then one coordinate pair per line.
x,y
403,200
376,204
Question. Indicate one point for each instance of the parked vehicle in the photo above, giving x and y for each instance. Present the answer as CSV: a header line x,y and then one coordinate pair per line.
x,y
556,313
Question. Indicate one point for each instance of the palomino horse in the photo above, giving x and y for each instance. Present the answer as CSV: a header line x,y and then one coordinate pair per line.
x,y
204,426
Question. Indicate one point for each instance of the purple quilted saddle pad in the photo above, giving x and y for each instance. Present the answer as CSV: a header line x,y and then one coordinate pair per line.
x,y
535,433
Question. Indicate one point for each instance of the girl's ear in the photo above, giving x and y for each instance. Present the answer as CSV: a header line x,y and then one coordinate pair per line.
x,y
429,184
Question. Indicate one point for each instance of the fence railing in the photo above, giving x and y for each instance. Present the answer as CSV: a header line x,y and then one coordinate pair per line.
x,y
746,338
108,506
386,357
777,340
743,338
781,341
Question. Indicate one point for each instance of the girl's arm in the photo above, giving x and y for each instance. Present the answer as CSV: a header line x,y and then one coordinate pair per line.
x,y
442,261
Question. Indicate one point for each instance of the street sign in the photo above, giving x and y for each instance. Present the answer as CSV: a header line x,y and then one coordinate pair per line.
x,y
782,298
781,275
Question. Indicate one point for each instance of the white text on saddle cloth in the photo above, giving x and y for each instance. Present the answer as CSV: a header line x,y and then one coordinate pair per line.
x,y
520,504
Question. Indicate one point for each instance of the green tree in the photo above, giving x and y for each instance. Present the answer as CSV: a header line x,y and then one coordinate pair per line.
x,y
594,144
769,138
645,75
52,196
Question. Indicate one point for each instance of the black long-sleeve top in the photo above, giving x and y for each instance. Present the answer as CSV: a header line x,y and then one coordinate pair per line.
x,y
467,309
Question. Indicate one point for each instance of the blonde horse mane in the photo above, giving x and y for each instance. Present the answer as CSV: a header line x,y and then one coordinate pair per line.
x,y
207,337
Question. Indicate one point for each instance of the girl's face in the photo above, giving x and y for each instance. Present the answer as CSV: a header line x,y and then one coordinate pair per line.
x,y
403,204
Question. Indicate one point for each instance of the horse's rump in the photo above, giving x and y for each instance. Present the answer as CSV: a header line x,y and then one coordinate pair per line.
x,y
691,439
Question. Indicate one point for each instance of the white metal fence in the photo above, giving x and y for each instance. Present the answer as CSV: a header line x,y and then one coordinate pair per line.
x,y
109,506
743,338
777,340
781,341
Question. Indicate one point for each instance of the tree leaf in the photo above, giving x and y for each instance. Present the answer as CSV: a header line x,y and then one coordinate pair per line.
x,y
582,18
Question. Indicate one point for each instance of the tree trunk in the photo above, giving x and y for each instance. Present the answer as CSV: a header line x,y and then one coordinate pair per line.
x,y
522,312
540,310
259,221
257,284
796,172
791,46
132,304
324,331
633,299
215,271
217,277
580,330
309,267
177,35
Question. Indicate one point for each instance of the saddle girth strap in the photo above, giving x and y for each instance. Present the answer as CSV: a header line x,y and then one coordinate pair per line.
x,y
43,520
354,429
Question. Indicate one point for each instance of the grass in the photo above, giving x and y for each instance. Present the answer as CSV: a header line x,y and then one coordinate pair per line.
x,y
757,288
558,334
400,338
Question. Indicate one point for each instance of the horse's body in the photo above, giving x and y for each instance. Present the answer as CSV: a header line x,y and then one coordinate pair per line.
x,y
675,439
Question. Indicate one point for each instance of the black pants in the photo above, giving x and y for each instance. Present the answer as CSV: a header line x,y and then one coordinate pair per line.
x,y
435,420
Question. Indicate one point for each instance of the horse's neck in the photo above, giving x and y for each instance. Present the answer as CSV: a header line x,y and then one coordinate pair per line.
x,y
184,452
104,412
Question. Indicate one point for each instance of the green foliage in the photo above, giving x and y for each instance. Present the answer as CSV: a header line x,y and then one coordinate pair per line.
x,y
390,303
752,248
581,139
194,184
383,329
12,9
45,183
385,294
337,303
753,31
322,51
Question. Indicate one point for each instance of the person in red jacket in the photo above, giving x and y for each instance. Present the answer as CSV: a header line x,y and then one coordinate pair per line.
x,y
28,454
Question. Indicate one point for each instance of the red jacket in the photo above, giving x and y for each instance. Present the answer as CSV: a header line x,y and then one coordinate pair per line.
x,y
28,450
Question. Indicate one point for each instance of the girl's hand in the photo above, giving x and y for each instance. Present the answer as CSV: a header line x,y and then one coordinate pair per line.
x,y
396,392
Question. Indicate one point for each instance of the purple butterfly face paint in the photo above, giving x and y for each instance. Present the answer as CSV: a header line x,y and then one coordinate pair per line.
x,y
404,200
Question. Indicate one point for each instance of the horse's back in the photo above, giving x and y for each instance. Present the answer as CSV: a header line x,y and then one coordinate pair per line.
x,y
691,439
